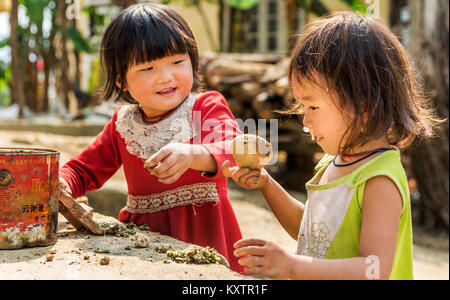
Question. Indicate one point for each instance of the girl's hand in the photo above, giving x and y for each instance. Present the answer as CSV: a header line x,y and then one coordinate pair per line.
x,y
171,162
246,178
64,188
263,258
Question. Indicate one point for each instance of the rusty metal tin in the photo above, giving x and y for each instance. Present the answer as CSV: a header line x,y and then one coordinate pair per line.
x,y
29,188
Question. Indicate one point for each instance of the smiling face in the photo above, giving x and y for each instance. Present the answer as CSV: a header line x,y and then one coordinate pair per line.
x,y
327,122
160,85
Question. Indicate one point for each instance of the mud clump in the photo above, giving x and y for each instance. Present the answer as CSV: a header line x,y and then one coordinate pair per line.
x,y
197,255
148,165
122,230
140,240
104,260
163,249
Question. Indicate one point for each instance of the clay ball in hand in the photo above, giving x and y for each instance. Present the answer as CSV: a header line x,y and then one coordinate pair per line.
x,y
251,151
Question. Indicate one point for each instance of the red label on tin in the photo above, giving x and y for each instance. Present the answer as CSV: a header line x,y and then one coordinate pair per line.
x,y
29,187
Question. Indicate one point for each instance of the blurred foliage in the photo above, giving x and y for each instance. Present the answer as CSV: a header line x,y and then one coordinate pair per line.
x,y
96,78
79,42
357,5
317,7
243,4
37,44
97,20
188,2
5,75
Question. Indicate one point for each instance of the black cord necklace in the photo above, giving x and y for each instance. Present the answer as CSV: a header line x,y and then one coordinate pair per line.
x,y
367,155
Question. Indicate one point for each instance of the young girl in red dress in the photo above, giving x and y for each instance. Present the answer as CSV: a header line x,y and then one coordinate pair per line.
x,y
151,61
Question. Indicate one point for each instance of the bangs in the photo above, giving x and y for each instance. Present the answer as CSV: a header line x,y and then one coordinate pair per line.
x,y
318,56
151,36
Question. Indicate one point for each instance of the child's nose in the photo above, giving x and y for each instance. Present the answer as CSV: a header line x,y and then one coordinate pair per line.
x,y
165,76
307,121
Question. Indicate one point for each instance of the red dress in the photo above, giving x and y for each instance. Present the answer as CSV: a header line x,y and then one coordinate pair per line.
x,y
196,209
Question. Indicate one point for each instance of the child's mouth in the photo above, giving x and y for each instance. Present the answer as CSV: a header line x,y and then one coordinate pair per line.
x,y
167,92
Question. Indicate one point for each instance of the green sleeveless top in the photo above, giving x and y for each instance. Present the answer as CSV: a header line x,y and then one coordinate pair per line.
x,y
331,223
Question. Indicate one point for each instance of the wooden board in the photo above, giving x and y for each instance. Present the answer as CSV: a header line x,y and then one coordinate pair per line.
x,y
77,215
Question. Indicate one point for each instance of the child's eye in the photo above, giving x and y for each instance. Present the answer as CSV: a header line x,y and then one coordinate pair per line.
x,y
178,62
147,69
313,108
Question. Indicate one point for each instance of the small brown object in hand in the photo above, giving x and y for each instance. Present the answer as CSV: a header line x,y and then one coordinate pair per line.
x,y
147,165
251,151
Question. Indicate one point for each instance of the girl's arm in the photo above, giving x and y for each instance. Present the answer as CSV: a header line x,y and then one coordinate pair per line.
x,y
287,210
202,160
381,212
90,169
216,128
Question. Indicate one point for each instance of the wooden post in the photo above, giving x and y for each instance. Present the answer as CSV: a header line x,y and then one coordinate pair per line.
x,y
16,68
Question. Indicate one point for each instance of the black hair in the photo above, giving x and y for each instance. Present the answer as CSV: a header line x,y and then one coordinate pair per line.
x,y
142,33
366,66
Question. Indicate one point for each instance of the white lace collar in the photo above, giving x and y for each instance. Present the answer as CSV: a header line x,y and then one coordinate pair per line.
x,y
144,140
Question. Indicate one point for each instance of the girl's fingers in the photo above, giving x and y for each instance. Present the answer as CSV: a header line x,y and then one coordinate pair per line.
x,y
252,181
162,168
159,156
254,270
238,173
249,242
226,170
167,169
251,261
245,178
249,250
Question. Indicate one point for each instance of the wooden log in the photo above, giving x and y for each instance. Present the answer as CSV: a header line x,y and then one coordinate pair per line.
x,y
243,57
246,91
221,68
263,107
282,87
236,80
275,72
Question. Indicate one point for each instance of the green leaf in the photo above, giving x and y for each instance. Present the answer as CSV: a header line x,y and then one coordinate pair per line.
x,y
35,10
5,42
314,6
79,42
243,4
357,5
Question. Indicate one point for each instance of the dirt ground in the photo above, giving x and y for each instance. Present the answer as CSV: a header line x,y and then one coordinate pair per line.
x,y
431,254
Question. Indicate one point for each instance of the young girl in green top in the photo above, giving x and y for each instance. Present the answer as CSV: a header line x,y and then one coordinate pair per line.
x,y
361,102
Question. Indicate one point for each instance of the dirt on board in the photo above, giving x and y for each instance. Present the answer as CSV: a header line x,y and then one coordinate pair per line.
x,y
79,255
